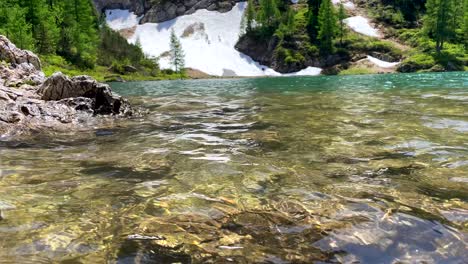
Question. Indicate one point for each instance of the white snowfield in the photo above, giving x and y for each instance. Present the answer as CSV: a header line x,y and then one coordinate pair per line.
x,y
361,25
118,19
347,4
208,39
381,63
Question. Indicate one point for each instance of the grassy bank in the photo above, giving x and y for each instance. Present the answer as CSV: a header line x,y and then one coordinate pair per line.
x,y
52,64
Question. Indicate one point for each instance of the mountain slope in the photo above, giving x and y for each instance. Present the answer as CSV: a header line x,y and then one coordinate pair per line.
x,y
208,39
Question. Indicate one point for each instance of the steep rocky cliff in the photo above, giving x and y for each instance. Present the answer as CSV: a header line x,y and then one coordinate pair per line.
x,y
155,11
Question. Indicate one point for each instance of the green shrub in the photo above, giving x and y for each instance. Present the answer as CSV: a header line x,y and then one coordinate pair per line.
x,y
417,62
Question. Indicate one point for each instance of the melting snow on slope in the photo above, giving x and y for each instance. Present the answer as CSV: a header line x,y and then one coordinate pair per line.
x,y
309,71
347,4
208,39
121,19
381,63
361,25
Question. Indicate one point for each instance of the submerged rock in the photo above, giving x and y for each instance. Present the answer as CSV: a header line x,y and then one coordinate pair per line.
x,y
29,102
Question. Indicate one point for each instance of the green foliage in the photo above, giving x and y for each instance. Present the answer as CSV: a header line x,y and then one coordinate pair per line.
x,y
341,17
327,26
114,47
397,13
438,22
465,23
357,71
290,57
70,29
357,43
15,26
46,31
54,63
313,19
250,16
269,14
177,54
419,61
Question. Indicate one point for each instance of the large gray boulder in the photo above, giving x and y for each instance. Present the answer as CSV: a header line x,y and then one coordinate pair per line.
x,y
59,86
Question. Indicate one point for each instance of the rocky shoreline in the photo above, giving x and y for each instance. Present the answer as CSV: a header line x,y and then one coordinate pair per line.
x,y
31,103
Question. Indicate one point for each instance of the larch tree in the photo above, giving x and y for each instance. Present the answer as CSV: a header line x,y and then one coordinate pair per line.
x,y
327,26
250,15
312,19
341,17
465,23
177,55
438,21
269,13
46,31
17,29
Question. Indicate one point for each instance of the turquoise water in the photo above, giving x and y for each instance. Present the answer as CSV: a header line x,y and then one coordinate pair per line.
x,y
369,169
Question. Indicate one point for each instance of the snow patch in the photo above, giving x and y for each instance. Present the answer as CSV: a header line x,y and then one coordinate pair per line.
x,y
118,19
207,37
381,63
347,4
309,71
361,25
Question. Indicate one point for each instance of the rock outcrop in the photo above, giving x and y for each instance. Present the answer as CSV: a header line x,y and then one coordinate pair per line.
x,y
266,53
103,102
155,11
29,102
10,53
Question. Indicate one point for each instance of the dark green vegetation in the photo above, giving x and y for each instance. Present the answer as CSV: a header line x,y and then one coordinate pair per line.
x,y
71,37
177,54
436,30
312,34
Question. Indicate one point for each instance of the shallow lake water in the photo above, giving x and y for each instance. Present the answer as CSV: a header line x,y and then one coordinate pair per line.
x,y
357,169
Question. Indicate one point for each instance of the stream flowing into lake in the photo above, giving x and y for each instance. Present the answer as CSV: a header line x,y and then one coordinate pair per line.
x,y
354,169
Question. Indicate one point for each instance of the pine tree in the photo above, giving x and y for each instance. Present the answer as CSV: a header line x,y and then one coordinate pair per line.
x,y
46,31
177,53
289,19
250,15
17,29
269,13
438,21
312,19
327,26
341,17
465,24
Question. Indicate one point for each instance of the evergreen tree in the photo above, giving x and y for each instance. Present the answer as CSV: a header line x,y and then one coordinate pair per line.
x,y
269,13
176,53
327,26
250,15
465,23
46,31
290,22
17,29
312,20
341,17
438,21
